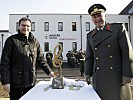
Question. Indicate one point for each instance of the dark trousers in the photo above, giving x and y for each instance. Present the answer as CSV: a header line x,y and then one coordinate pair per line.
x,y
17,93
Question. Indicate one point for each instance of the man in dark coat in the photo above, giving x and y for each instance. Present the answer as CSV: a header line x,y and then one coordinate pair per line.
x,y
68,55
109,57
21,54
49,58
81,60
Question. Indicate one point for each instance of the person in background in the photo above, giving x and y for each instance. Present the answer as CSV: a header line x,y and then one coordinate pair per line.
x,y
49,58
81,60
109,57
20,56
68,55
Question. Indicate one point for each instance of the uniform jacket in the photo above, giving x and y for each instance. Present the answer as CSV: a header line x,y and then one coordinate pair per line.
x,y
19,59
109,56
115,50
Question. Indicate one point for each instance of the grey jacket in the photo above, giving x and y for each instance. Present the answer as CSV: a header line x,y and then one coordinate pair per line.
x,y
111,48
109,56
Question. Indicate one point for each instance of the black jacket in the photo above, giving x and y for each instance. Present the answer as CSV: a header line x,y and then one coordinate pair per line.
x,y
19,59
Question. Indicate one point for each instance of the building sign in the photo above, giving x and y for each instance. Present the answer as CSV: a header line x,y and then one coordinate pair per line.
x,y
67,38
52,36
57,36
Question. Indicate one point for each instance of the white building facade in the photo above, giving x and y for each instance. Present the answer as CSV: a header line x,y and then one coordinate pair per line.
x,y
68,29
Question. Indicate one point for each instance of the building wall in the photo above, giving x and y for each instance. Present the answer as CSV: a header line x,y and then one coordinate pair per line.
x,y
131,29
67,36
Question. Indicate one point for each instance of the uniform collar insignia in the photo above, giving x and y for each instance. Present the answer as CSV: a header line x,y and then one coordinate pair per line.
x,y
108,27
94,31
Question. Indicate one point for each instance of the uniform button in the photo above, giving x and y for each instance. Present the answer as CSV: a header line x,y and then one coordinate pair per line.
x,y
108,45
95,48
19,72
110,56
97,58
32,84
97,67
111,67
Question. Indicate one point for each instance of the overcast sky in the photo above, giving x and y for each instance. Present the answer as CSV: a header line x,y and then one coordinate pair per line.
x,y
54,6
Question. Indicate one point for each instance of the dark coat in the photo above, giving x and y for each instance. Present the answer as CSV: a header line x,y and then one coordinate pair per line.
x,y
109,56
19,59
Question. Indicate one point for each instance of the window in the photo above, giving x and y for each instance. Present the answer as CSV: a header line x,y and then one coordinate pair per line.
x,y
73,26
33,26
46,26
46,46
87,26
60,26
62,45
74,46
17,26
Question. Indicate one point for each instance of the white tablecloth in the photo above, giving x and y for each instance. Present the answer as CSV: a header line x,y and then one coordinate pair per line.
x,y
38,93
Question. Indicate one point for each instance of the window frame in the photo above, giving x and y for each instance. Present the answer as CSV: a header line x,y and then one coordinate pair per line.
x,y
87,25
74,26
46,46
60,26
46,26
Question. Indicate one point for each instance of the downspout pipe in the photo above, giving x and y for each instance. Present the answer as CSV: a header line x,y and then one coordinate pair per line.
x,y
130,36
81,29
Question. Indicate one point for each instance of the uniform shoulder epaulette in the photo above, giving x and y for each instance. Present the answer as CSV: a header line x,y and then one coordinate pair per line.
x,y
117,23
109,27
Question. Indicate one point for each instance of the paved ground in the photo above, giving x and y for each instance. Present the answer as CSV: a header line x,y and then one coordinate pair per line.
x,y
4,98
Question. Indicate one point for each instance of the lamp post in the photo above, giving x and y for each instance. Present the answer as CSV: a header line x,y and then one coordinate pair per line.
x,y
2,36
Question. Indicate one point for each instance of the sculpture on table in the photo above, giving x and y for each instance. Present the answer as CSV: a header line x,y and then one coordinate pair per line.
x,y
57,82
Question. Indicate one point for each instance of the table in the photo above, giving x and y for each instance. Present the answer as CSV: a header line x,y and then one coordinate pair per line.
x,y
41,92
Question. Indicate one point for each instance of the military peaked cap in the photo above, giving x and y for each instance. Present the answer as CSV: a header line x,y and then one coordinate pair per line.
x,y
96,8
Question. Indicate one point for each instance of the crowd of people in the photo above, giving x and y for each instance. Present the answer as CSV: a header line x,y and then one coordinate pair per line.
x,y
73,58
76,57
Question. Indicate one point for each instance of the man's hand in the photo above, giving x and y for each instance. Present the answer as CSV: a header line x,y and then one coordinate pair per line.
x,y
52,74
6,87
126,80
87,79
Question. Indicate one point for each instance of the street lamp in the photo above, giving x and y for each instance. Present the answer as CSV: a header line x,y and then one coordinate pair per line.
x,y
2,35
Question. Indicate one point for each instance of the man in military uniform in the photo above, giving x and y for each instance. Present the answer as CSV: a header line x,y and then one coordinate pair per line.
x,y
109,57
71,58
81,60
68,55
